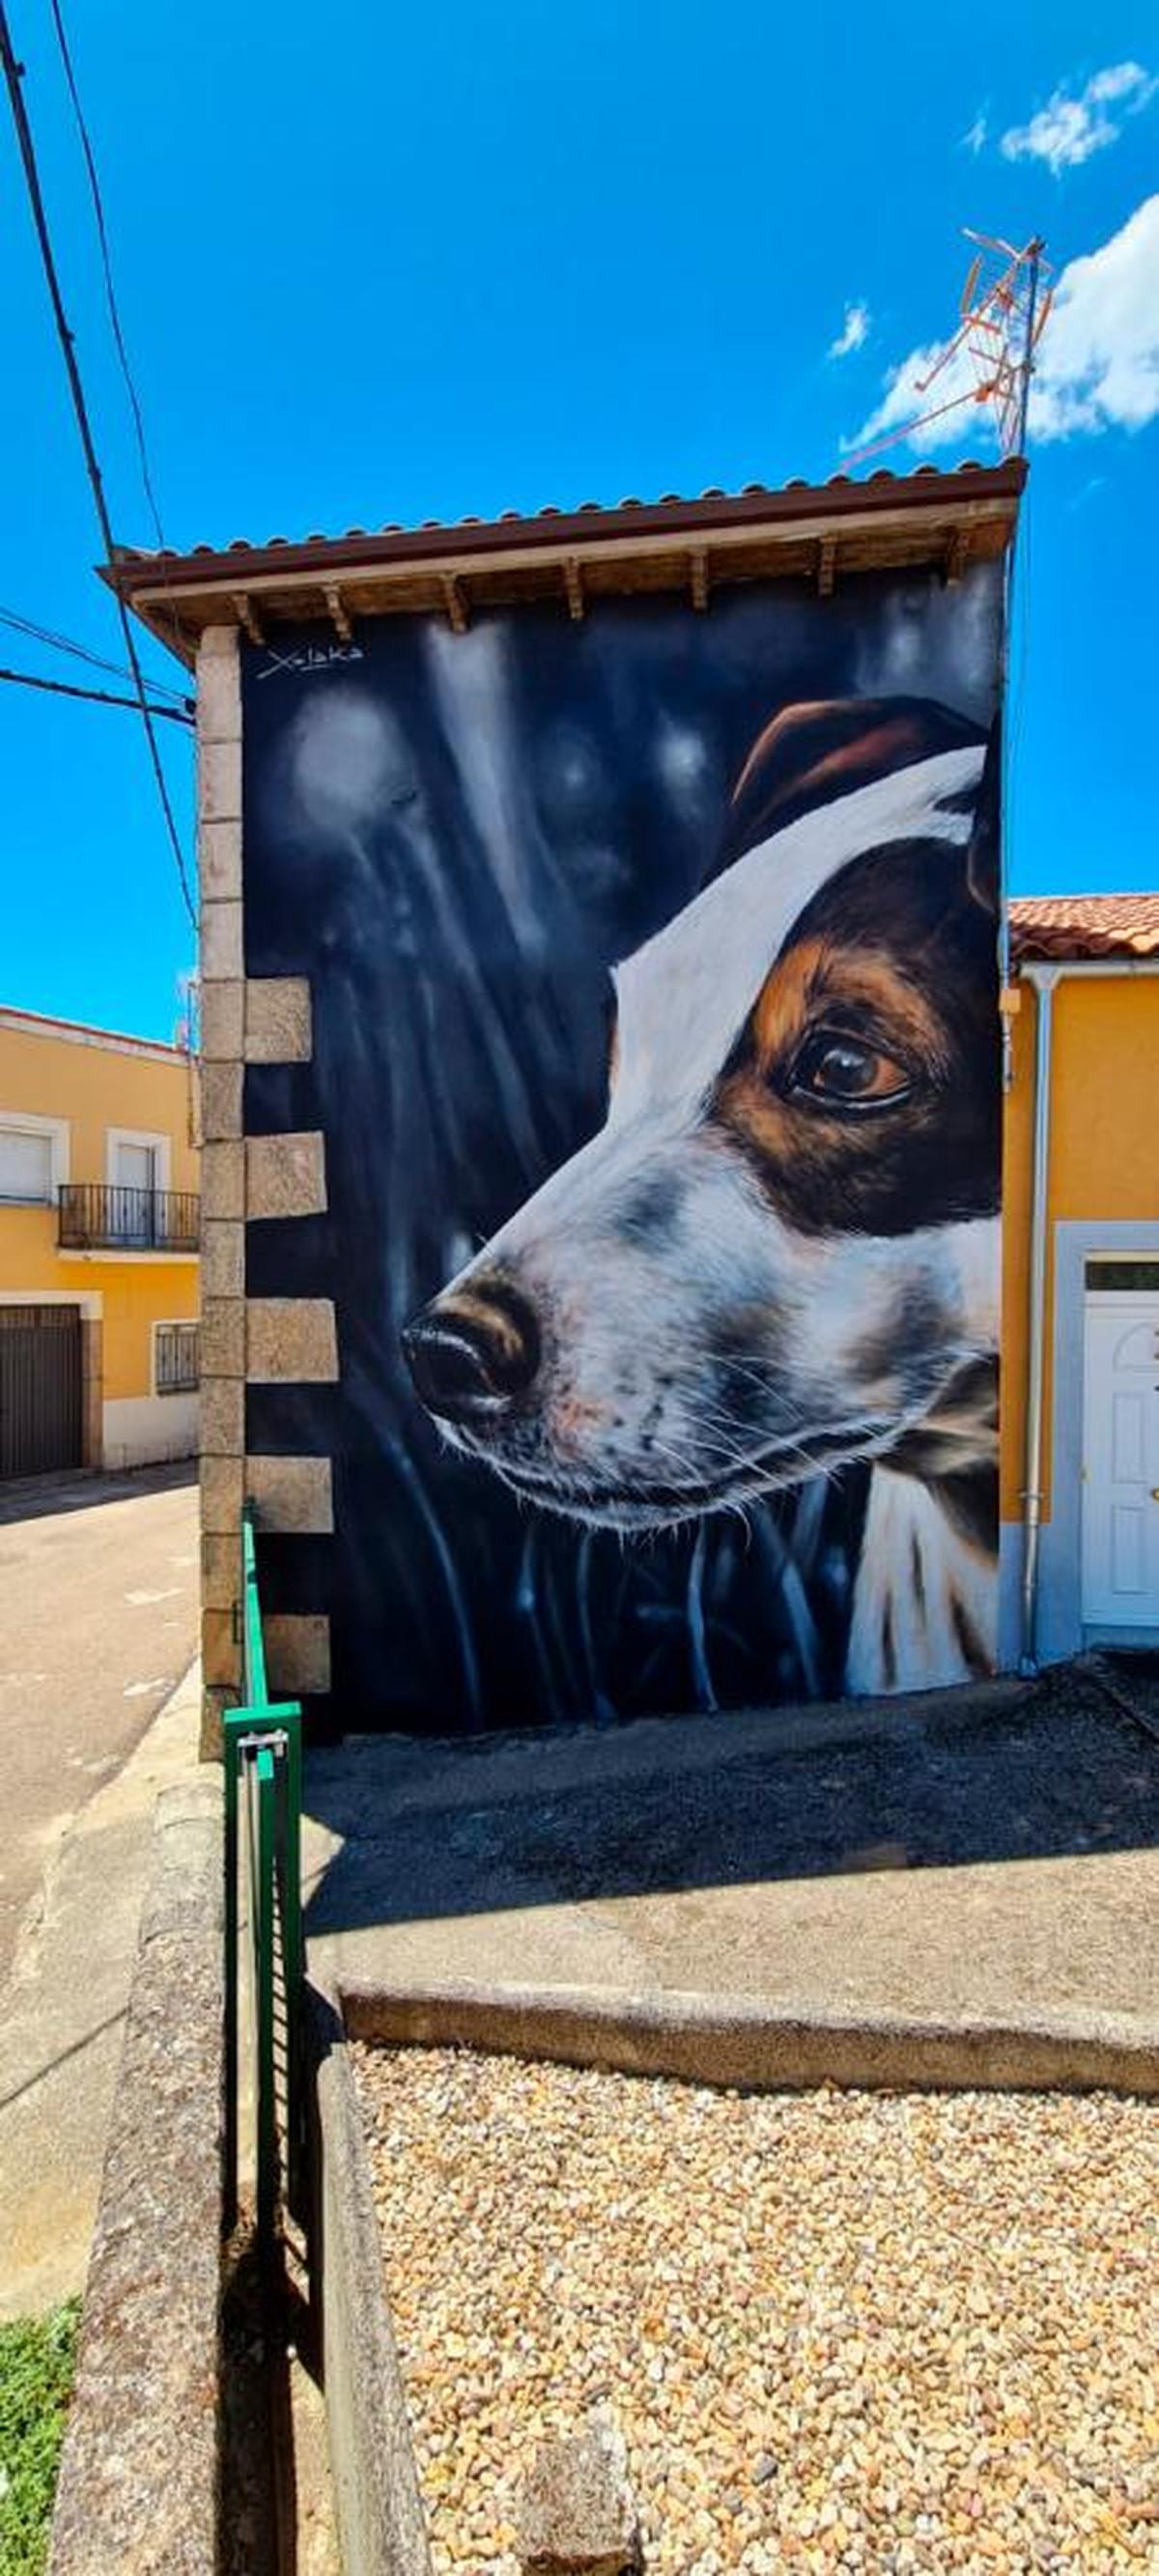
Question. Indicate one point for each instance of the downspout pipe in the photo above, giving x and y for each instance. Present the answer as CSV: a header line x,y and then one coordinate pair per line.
x,y
1043,978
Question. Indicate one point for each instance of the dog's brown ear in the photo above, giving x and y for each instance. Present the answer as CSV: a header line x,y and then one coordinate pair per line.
x,y
827,747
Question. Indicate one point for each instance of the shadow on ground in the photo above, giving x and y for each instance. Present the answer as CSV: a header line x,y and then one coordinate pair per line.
x,y
34,1498
1012,1772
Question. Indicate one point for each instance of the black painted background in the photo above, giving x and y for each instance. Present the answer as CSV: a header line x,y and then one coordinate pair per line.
x,y
455,838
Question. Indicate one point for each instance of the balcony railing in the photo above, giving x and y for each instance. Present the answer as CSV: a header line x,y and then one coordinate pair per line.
x,y
104,1216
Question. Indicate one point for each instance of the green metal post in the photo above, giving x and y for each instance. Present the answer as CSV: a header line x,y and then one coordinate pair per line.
x,y
231,1730
263,1760
290,1718
263,1902
253,1649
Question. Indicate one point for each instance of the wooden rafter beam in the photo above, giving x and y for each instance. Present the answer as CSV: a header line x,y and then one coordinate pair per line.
x,y
698,576
339,613
826,566
247,616
455,602
956,557
574,585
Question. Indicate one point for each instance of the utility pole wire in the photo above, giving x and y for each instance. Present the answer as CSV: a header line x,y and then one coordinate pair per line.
x,y
39,634
13,75
107,266
97,697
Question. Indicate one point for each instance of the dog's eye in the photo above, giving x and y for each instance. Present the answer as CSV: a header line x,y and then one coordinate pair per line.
x,y
847,1072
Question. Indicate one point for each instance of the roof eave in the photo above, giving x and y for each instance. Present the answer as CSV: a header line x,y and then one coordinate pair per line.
x,y
637,546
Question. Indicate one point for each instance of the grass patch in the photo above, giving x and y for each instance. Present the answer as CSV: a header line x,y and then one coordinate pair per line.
x,y
37,2359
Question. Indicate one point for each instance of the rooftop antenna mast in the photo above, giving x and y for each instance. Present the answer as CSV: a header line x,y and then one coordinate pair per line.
x,y
1004,309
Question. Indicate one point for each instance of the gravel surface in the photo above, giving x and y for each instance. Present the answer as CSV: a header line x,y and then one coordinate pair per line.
x,y
838,2330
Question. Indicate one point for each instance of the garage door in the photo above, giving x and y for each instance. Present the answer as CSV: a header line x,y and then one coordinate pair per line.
x,y
40,1390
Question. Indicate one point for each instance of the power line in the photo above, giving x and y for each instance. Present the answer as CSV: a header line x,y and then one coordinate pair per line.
x,y
98,697
107,266
39,634
13,75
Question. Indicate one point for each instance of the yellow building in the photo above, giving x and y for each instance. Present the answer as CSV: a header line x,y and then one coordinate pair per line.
x,y
1080,1327
99,1220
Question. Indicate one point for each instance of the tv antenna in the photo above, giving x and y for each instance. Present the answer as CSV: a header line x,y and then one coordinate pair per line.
x,y
1005,306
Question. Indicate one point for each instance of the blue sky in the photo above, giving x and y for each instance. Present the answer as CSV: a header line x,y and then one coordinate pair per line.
x,y
395,265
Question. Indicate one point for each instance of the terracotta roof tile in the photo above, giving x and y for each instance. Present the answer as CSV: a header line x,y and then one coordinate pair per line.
x,y
1085,925
133,555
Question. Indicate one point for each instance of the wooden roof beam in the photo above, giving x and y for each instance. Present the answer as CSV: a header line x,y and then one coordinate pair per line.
x,y
698,576
574,585
455,602
826,566
247,616
956,557
339,613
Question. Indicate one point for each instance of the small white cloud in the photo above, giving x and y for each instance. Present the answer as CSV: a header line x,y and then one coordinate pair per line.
x,y
1121,80
854,331
1097,366
974,138
1073,125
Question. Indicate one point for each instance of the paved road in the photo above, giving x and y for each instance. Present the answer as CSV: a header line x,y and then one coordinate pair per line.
x,y
98,1621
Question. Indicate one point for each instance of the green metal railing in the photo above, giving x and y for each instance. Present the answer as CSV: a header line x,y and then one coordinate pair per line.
x,y
263,1794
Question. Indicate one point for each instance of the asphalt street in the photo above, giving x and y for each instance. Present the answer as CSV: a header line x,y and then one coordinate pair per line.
x,y
98,1621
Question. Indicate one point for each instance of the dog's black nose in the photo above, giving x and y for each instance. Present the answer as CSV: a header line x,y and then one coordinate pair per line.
x,y
470,1353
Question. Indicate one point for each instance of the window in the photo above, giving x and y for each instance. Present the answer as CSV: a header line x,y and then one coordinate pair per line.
x,y
25,1164
1124,1276
177,1358
33,1157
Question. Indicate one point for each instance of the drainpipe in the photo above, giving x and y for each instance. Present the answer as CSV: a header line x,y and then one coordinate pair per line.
x,y
1043,979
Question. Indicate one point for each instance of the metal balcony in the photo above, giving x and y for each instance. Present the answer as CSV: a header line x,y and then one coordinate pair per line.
x,y
104,1216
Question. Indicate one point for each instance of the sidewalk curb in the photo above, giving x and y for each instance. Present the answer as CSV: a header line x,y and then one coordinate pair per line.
x,y
138,2487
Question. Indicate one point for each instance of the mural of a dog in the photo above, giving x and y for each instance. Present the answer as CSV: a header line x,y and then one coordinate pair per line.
x,y
780,1253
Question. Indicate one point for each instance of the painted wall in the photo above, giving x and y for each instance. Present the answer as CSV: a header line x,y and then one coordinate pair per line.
x,y
652,963
94,1086
1103,1164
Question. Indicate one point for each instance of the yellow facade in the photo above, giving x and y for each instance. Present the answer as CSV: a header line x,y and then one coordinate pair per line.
x,y
1102,1202
95,1096
1103,1165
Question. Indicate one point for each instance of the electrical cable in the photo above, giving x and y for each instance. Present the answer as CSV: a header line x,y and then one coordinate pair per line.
x,y
107,266
39,634
97,697
13,76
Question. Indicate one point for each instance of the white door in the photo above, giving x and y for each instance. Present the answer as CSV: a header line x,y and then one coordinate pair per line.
x,y
135,1179
1121,1459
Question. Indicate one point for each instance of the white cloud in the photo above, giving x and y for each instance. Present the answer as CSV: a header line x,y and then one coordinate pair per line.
x,y
974,138
908,393
1071,126
854,331
1097,366
1099,358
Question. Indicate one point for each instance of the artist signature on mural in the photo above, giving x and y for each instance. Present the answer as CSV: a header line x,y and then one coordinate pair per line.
x,y
309,658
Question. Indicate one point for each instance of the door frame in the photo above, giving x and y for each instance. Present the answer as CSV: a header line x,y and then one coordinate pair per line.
x,y
1075,1241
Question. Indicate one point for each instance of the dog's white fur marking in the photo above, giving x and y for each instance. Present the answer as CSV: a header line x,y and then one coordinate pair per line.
x,y
919,1581
686,994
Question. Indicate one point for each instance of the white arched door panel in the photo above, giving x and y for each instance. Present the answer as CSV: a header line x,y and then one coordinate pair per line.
x,y
1120,1578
